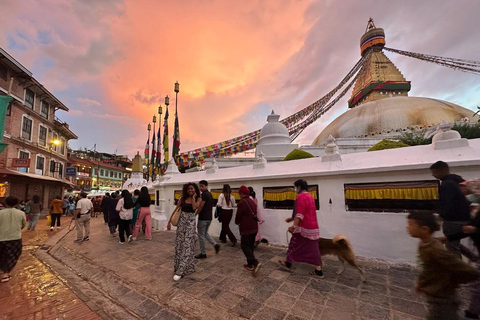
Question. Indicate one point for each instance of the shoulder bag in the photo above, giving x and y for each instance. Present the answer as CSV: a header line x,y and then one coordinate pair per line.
x,y
176,216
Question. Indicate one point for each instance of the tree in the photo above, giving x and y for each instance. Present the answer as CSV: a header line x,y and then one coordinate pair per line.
x,y
388,144
297,154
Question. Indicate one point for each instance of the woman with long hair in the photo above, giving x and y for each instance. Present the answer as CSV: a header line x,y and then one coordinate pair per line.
x,y
113,215
226,201
12,221
184,262
144,214
125,211
33,208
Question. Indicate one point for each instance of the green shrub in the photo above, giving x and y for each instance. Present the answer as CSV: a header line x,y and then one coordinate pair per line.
x,y
387,144
296,154
467,130
414,138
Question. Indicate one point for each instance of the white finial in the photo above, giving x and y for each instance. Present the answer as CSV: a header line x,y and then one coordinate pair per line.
x,y
331,150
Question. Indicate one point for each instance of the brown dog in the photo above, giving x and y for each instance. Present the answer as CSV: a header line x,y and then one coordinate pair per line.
x,y
340,246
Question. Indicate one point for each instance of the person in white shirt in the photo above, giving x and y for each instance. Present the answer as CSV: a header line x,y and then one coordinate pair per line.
x,y
82,217
226,201
125,211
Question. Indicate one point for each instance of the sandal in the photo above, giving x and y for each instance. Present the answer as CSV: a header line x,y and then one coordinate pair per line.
x,y
285,266
6,279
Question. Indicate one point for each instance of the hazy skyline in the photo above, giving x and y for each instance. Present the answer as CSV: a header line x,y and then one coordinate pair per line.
x,y
112,62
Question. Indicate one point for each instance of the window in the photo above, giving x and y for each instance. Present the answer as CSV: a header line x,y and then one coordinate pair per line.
x,y
29,98
60,170
101,172
284,197
27,124
3,72
111,174
40,166
392,196
42,136
52,166
54,138
23,155
45,109
62,146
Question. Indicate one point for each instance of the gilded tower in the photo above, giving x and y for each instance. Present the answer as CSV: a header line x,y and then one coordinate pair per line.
x,y
379,78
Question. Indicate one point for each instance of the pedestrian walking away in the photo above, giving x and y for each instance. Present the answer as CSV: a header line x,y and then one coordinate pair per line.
x,y
253,196
56,212
226,201
105,205
136,210
453,207
82,218
204,220
65,205
247,221
125,211
442,272
113,214
144,214
12,221
303,246
185,237
33,209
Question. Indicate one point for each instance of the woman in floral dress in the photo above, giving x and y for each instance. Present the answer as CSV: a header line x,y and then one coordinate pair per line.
x,y
186,236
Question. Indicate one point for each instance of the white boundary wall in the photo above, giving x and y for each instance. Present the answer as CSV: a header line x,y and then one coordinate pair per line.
x,y
373,235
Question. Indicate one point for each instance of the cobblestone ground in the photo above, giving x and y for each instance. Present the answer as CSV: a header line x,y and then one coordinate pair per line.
x,y
134,281
35,292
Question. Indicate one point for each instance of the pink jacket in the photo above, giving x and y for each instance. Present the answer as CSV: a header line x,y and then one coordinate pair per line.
x,y
306,211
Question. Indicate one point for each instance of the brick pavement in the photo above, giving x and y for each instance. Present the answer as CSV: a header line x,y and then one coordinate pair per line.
x,y
35,292
134,281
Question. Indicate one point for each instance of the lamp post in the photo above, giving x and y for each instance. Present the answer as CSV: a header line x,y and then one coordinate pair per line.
x,y
152,169
165,134
147,160
177,90
159,161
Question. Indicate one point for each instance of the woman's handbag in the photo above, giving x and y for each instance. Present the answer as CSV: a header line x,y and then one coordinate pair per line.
x,y
176,216
218,213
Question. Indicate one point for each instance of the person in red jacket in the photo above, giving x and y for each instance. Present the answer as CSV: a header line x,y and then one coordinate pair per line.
x,y
247,221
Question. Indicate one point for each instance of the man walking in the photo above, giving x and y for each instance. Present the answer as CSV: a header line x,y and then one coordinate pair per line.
x,y
82,217
105,204
247,221
204,220
453,207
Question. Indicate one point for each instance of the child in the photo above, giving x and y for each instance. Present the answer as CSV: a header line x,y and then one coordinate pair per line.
x,y
441,271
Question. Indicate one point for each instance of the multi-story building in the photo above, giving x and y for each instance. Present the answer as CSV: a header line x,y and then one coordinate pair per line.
x,y
98,171
34,160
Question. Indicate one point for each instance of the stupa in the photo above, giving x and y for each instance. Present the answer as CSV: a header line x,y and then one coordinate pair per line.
x,y
380,107
274,142
136,180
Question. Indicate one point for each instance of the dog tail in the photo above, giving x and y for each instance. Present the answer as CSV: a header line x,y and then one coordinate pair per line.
x,y
342,240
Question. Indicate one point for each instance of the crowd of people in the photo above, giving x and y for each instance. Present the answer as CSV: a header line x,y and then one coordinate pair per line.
x,y
443,267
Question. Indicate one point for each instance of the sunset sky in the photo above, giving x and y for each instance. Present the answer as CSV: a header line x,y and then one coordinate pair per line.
x,y
112,62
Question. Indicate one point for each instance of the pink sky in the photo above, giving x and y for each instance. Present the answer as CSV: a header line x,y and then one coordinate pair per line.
x,y
112,62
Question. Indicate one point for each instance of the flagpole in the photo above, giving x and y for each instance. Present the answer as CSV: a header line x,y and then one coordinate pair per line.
x,y
159,152
165,135
147,151
175,136
152,169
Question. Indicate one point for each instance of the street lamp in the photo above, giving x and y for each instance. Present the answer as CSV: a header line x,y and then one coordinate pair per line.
x,y
159,143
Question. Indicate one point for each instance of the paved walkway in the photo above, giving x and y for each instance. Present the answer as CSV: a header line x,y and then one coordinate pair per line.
x,y
35,292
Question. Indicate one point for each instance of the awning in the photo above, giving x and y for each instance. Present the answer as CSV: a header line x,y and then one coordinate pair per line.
x,y
35,176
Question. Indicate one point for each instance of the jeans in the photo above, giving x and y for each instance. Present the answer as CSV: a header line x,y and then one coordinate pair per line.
x,y
83,223
123,228
226,218
202,229
32,220
450,229
144,214
55,216
248,246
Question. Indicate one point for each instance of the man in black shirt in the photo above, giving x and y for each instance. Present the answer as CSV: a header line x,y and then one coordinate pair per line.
x,y
453,207
204,220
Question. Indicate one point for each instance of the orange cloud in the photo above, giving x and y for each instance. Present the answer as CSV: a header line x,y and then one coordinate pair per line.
x,y
224,54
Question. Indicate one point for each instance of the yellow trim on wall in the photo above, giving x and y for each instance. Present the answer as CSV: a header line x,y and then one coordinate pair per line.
x,y
422,193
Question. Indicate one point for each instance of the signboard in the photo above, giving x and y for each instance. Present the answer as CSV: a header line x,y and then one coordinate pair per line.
x,y
84,174
71,171
20,163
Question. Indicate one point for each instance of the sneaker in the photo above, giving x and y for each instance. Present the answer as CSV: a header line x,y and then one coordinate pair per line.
x,y
121,242
217,248
256,268
176,277
317,273
134,239
130,238
201,256
86,238
249,267
78,240
58,228
51,228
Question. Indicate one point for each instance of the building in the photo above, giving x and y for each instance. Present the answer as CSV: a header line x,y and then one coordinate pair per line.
x,y
34,160
110,171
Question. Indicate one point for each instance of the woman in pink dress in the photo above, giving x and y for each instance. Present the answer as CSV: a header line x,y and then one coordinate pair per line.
x,y
303,246
259,216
